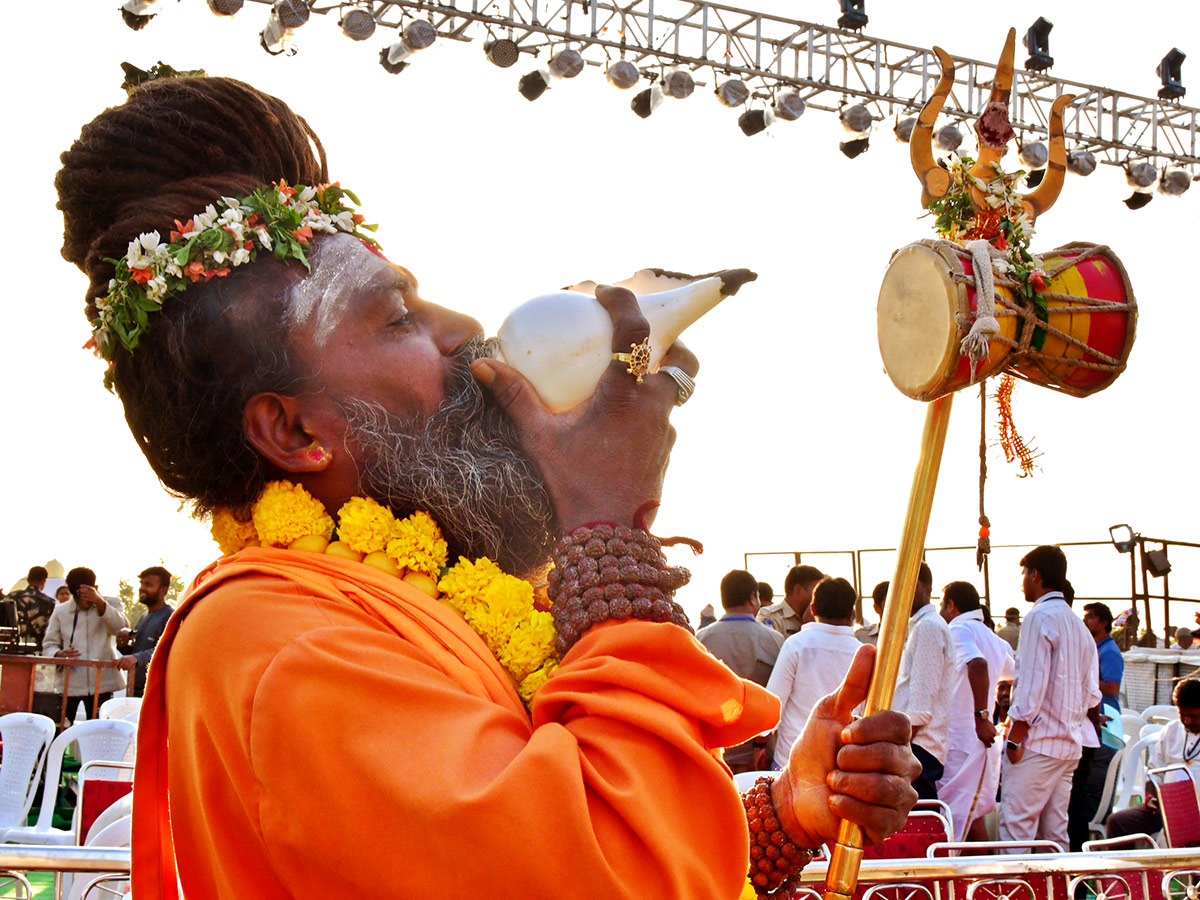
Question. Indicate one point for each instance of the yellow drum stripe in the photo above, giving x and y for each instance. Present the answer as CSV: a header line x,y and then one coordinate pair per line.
x,y
1078,325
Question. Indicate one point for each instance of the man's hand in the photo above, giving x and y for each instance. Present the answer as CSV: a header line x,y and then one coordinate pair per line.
x,y
89,597
127,663
68,653
1014,751
123,637
859,770
985,731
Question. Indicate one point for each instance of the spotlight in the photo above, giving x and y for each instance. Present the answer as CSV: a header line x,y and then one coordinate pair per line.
x,y
789,106
1037,42
533,85
1157,563
855,148
643,104
1140,176
136,14
752,121
357,24
904,129
1034,155
1081,162
1174,181
417,35
856,119
622,74
678,84
286,15
225,7
949,138
733,93
1034,178
1122,538
502,52
1168,71
565,64
292,13
854,16
1137,201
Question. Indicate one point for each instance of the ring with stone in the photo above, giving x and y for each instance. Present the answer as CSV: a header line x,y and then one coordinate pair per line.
x,y
683,383
638,359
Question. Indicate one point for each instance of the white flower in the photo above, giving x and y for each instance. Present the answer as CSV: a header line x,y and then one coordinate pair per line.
x,y
149,240
307,194
102,303
156,289
345,220
1001,266
173,268
240,256
237,229
205,219
218,256
264,237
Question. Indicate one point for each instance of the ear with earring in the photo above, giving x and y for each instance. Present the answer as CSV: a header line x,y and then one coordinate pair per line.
x,y
317,455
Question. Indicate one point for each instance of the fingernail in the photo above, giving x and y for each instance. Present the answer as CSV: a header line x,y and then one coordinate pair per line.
x,y
846,736
483,372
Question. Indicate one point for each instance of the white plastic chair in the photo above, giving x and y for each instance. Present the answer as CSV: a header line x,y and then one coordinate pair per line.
x,y
1131,724
26,737
1133,771
107,739
1096,826
115,834
1163,712
1151,728
128,708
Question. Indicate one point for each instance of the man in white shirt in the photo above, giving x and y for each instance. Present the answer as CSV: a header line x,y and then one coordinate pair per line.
x,y
982,661
1056,684
813,661
925,685
1178,742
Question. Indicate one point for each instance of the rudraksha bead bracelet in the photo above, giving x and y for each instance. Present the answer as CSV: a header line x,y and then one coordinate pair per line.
x,y
774,858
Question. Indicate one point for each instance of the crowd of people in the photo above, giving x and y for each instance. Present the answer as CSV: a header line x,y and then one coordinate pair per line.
x,y
1009,719
80,623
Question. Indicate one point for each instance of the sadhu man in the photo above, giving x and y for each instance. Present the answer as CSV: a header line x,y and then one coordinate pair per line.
x,y
393,712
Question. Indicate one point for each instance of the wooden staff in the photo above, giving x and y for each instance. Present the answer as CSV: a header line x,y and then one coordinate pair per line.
x,y
842,876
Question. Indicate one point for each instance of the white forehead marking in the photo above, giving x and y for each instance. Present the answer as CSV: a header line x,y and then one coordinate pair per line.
x,y
343,269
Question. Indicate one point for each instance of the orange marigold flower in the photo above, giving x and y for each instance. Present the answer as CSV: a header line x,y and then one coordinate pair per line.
x,y
283,188
358,217
141,276
194,271
182,228
215,273
247,245
304,234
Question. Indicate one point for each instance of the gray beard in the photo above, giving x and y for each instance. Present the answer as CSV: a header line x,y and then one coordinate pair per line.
x,y
463,465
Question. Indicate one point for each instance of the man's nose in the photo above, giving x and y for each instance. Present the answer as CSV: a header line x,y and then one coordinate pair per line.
x,y
452,329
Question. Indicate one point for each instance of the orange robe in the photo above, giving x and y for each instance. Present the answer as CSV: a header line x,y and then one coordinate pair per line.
x,y
313,727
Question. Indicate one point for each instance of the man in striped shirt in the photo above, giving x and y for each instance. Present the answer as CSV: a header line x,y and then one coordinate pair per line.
x,y
1056,684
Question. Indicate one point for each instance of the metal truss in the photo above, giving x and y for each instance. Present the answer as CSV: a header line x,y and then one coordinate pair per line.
x,y
829,67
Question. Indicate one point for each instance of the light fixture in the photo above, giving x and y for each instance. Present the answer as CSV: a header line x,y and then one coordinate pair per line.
x,y
225,7
1137,201
733,93
502,52
1169,72
1140,176
357,24
948,138
904,129
1081,162
1122,538
1037,42
856,119
1034,155
623,74
417,35
854,148
678,84
292,13
565,64
789,106
286,16
533,85
854,15
754,121
645,102
136,14
1156,562
1174,181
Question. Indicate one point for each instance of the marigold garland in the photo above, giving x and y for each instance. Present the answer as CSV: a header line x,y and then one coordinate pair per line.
x,y
500,608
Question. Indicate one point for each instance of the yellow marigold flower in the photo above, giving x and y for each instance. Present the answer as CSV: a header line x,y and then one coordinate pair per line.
x,y
286,511
504,605
365,525
417,544
466,581
230,534
529,646
529,685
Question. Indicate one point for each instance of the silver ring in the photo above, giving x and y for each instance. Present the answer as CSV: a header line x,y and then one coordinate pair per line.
x,y
683,383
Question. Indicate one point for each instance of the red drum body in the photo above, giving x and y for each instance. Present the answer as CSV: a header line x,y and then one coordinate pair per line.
x,y
928,301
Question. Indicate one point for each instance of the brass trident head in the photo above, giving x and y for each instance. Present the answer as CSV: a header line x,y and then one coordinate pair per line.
x,y
994,131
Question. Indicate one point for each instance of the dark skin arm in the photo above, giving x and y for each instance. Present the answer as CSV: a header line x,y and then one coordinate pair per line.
x,y
1110,688
977,677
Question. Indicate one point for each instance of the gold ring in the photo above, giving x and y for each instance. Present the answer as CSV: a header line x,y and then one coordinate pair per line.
x,y
638,359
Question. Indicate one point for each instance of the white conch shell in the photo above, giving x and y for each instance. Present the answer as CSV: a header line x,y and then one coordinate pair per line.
x,y
562,342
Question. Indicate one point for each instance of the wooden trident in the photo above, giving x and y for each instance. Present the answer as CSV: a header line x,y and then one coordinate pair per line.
x,y
994,131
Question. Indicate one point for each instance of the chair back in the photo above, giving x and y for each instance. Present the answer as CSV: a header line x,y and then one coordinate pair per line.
x,y
1106,793
1131,724
128,708
1133,772
922,830
97,794
26,737
987,848
1179,805
1161,712
109,739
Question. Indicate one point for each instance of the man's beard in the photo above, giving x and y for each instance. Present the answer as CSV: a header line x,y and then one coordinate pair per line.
x,y
463,465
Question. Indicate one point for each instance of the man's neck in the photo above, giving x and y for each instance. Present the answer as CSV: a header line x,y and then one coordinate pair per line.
x,y
738,611
825,620
155,607
796,605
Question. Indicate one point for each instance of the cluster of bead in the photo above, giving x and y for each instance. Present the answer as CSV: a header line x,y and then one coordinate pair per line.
x,y
773,857
613,572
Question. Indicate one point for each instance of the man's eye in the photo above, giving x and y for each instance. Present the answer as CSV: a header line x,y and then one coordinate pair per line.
x,y
401,320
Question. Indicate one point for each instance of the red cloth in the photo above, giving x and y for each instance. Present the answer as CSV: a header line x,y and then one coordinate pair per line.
x,y
331,729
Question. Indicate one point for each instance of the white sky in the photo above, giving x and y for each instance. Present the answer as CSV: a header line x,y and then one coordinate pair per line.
x,y
795,439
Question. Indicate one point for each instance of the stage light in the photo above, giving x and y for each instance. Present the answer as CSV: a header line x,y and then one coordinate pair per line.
x,y
136,14
855,148
1157,563
789,106
1137,201
948,138
292,13
623,74
357,24
565,64
1081,162
904,129
678,84
854,15
502,52
733,93
1034,155
286,16
1140,176
1037,42
1169,71
225,7
1122,538
646,102
856,119
533,85
753,121
1174,181
417,35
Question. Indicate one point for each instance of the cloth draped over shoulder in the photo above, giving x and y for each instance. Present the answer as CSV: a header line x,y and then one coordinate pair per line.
x,y
312,725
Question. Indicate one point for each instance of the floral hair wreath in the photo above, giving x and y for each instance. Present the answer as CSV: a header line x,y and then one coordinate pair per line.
x,y
279,219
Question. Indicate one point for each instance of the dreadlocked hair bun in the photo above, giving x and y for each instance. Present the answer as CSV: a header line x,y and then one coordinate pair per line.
x,y
175,146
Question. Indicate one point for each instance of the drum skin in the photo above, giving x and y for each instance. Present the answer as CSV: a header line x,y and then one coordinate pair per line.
x,y
927,302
